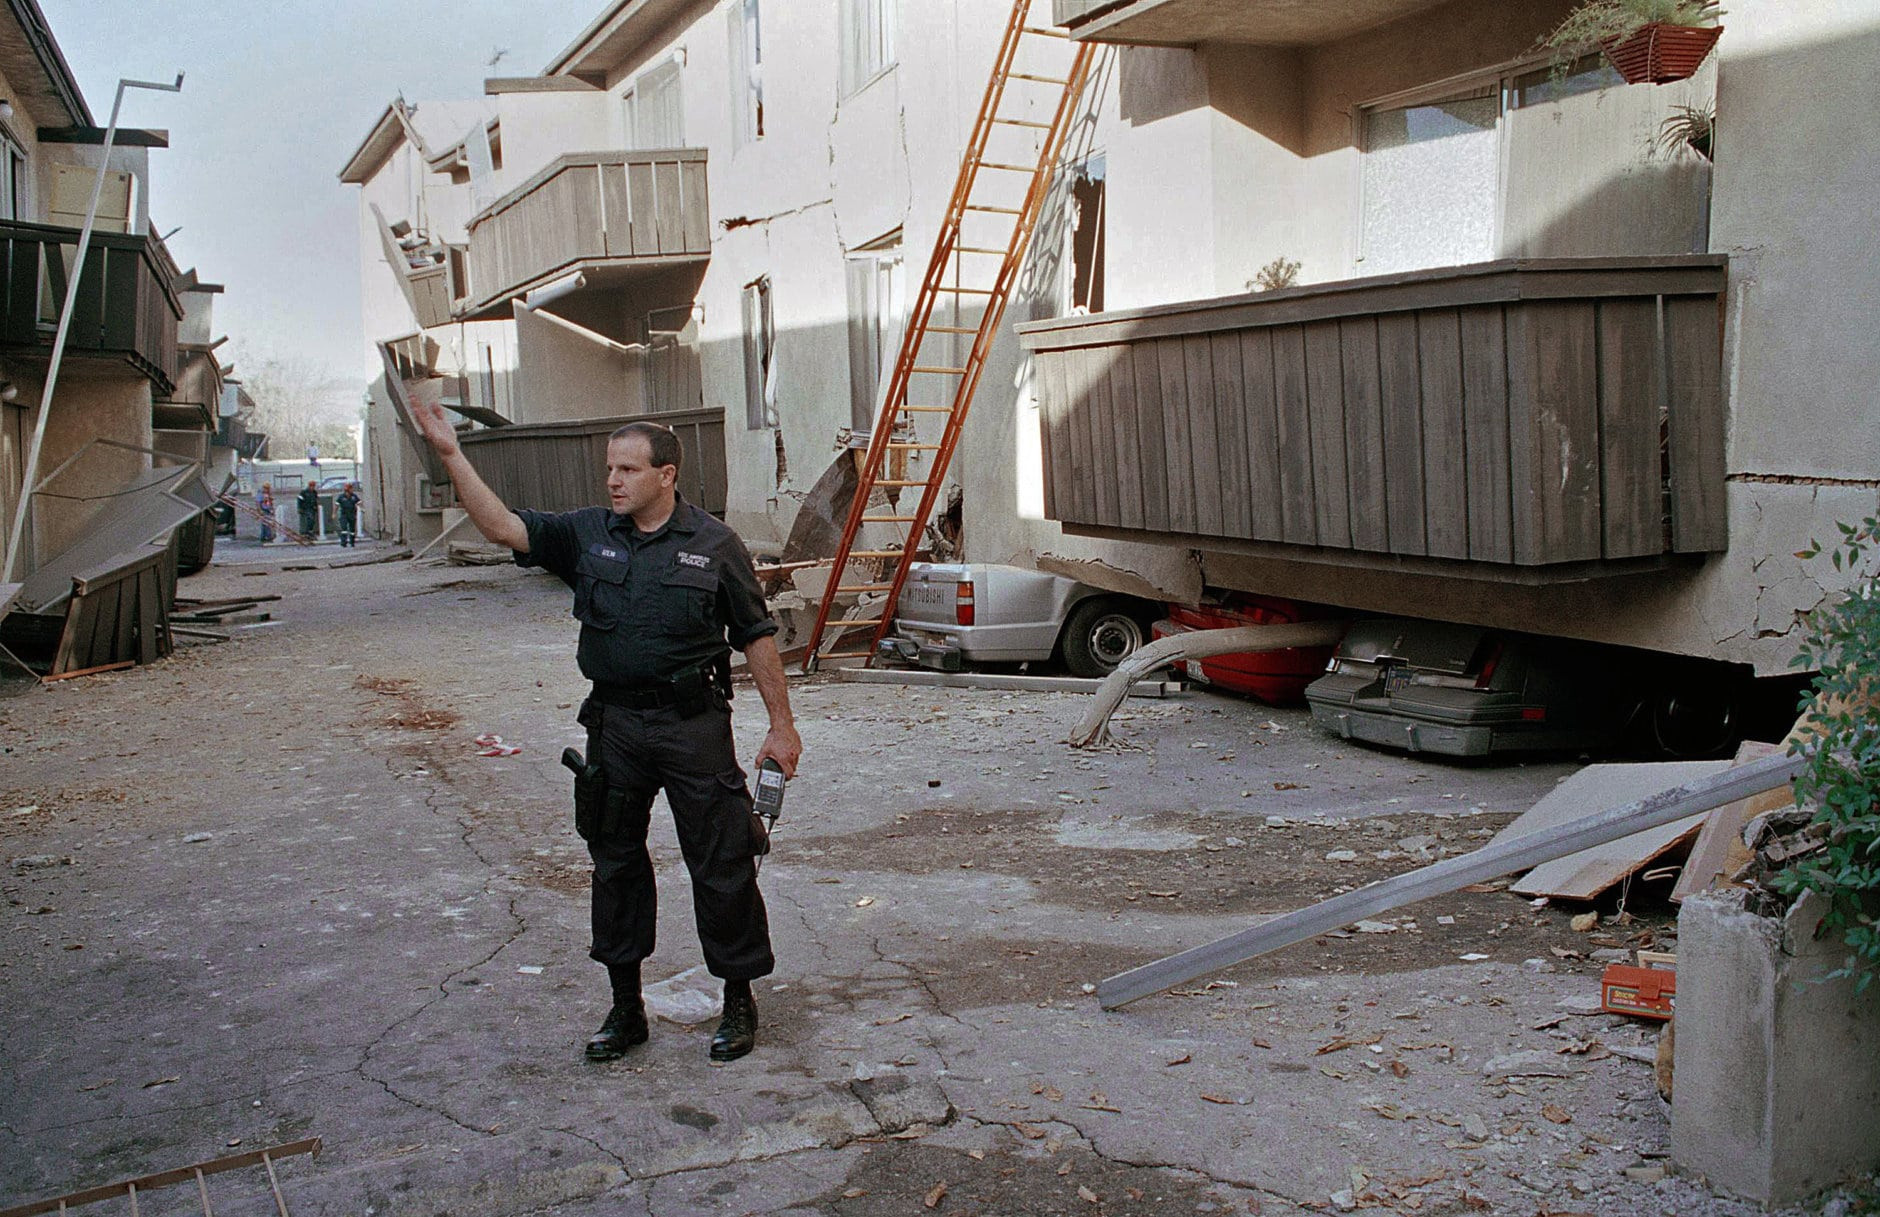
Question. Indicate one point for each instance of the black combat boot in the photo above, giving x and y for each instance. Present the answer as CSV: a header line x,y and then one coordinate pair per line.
x,y
626,1022
737,1031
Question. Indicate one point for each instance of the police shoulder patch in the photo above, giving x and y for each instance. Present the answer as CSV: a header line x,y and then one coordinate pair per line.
x,y
701,561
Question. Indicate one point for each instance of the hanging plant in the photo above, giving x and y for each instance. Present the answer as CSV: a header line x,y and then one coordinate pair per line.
x,y
1654,41
1693,127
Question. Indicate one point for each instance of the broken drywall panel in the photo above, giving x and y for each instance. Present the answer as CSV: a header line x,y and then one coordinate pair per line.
x,y
1151,572
1584,875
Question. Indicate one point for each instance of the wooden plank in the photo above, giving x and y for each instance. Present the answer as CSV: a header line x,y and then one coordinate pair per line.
x,y
1631,474
1261,431
1563,430
1584,875
1400,398
1719,850
1292,408
1052,445
1177,439
1145,370
1077,372
1365,488
123,271
1694,346
117,620
1485,420
1120,372
1325,416
1204,435
696,214
106,667
617,211
645,210
1097,428
671,206
1230,425
145,602
1445,439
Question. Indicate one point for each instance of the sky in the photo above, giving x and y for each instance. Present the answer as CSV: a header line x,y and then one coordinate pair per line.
x,y
276,97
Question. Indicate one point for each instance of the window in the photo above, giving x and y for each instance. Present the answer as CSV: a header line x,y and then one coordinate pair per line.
x,y
1083,252
747,79
1525,164
654,117
760,345
867,41
875,314
14,201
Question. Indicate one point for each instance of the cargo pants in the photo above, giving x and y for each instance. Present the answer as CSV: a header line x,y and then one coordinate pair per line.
x,y
693,759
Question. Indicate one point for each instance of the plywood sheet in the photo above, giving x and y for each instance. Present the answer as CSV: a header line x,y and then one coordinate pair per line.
x,y
1597,788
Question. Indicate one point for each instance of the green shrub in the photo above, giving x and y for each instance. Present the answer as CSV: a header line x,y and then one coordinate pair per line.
x,y
1842,778
1586,26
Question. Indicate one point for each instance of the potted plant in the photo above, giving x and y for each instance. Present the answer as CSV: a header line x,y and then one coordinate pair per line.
x,y
1693,127
1646,40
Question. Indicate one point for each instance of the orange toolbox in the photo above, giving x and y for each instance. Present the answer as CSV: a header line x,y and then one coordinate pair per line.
x,y
1643,992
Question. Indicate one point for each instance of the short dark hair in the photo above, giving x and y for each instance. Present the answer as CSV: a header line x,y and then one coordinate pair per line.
x,y
662,442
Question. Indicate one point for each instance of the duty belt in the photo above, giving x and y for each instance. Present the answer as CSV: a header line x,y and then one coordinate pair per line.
x,y
686,686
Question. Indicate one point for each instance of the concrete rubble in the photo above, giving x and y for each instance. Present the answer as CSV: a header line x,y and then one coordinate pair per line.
x,y
270,889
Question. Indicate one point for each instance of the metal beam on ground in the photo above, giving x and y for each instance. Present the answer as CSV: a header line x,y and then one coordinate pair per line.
x,y
1440,878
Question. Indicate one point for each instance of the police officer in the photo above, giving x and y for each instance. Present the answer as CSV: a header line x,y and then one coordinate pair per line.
x,y
662,590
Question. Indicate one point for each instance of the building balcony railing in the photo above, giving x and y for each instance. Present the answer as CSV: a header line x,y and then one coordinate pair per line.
x,y
126,310
594,212
563,466
1524,421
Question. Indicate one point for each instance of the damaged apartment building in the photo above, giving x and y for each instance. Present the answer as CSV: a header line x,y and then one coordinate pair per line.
x,y
112,469
1372,303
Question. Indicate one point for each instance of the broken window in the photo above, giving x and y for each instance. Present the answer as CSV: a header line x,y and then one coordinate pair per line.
x,y
867,41
1084,234
875,315
760,339
747,81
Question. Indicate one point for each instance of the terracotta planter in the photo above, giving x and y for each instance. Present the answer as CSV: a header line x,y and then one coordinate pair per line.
x,y
1660,53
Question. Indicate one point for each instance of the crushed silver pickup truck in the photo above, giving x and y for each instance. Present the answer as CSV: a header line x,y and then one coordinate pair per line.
x,y
951,614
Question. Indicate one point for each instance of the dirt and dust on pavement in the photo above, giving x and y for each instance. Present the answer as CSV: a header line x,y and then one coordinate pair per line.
x,y
272,889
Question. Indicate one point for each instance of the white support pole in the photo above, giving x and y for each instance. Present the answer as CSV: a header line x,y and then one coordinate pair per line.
x,y
27,487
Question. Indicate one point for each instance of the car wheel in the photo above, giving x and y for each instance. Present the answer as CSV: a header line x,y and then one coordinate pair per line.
x,y
1695,720
1100,634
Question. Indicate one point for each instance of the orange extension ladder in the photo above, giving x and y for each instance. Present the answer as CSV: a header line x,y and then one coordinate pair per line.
x,y
972,268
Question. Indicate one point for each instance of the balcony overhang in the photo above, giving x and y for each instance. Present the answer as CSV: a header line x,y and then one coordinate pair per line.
x,y
1260,22
126,313
611,217
1524,422
613,37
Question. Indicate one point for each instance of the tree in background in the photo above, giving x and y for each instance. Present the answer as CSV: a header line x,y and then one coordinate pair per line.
x,y
300,402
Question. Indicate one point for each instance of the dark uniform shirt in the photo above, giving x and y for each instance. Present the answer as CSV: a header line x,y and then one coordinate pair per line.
x,y
651,605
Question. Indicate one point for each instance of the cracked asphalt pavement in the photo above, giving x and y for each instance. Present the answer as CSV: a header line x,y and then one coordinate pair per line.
x,y
269,889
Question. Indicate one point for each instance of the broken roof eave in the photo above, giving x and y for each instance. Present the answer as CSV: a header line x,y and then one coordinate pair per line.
x,y
612,36
380,142
60,81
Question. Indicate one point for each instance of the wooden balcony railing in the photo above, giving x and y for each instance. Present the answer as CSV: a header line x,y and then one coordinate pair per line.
x,y
1547,419
127,308
588,210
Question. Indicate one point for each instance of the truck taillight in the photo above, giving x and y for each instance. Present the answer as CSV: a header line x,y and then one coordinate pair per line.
x,y
963,603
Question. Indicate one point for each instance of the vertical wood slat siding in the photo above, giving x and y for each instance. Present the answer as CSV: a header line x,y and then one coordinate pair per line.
x,y
1485,425
1630,494
1298,521
1261,433
1053,400
1401,400
1694,340
1177,439
1143,370
562,466
1229,412
1445,442
1363,400
1325,419
1204,436
1523,432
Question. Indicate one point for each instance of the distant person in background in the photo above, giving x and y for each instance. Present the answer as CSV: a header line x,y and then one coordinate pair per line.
x,y
309,502
264,506
348,504
313,455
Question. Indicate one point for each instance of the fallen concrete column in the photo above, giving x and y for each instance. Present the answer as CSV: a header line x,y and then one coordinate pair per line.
x,y
1093,729
1491,861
